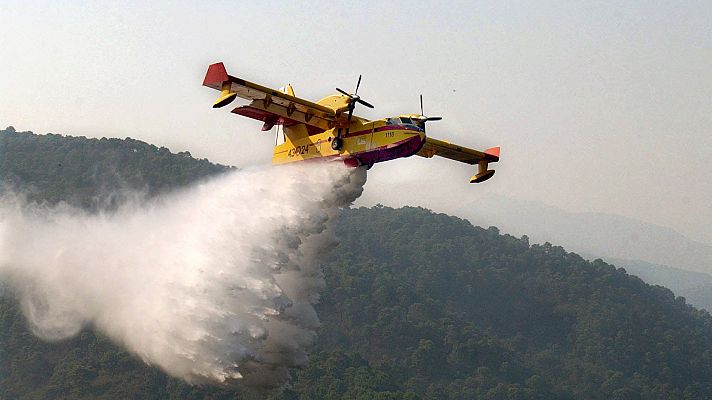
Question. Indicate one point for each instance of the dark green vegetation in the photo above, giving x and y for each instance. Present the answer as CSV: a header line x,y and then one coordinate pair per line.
x,y
418,306
92,173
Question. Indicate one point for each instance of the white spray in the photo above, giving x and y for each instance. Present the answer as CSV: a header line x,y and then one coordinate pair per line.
x,y
213,283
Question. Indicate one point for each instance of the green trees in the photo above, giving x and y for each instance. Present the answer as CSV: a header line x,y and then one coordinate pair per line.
x,y
468,312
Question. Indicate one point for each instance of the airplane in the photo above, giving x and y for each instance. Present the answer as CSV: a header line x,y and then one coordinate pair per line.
x,y
328,129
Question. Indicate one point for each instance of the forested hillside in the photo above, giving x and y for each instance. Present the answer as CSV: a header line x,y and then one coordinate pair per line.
x,y
418,305
695,287
92,173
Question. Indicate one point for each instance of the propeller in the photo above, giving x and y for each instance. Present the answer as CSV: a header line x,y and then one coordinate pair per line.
x,y
422,118
353,99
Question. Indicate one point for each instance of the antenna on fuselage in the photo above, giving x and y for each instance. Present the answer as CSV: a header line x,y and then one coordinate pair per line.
x,y
353,99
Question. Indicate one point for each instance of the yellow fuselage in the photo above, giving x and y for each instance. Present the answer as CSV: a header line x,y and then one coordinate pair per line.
x,y
365,141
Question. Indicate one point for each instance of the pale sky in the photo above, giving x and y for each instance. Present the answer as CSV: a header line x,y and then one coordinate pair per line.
x,y
601,106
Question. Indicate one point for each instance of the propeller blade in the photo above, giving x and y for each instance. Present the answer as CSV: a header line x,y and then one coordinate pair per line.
x,y
354,98
358,84
365,103
422,117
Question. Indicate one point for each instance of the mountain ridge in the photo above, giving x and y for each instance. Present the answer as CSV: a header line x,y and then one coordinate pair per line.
x,y
601,234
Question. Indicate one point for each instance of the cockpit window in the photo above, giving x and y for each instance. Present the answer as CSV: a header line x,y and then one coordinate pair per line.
x,y
405,121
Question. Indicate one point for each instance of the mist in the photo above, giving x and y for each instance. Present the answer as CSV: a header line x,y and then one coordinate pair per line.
x,y
213,283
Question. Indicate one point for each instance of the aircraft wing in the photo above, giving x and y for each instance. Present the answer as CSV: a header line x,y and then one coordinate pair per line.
x,y
268,105
435,147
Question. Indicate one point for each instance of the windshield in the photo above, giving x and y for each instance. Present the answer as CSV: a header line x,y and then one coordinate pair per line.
x,y
400,121
406,121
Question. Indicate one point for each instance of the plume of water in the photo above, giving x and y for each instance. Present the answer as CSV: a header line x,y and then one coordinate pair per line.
x,y
213,283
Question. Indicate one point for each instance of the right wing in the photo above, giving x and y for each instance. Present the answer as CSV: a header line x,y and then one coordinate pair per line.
x,y
268,105
435,147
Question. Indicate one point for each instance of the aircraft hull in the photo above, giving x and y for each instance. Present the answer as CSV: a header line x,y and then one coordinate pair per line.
x,y
366,145
405,148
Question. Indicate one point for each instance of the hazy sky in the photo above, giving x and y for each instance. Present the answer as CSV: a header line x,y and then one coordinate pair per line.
x,y
599,106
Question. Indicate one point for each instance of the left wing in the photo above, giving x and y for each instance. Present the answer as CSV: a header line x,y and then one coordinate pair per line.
x,y
435,147
268,105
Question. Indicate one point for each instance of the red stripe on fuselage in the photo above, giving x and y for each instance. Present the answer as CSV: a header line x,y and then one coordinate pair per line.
x,y
381,129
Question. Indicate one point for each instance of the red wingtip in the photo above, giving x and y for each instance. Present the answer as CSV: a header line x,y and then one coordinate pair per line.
x,y
494,152
215,76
